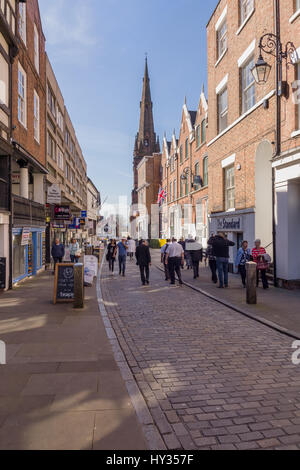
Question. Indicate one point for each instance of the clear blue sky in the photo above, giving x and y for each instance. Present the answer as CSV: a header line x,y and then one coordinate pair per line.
x,y
97,49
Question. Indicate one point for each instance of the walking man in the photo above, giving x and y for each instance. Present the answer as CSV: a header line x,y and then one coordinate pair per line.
x,y
131,248
196,255
57,252
220,245
242,257
163,252
175,260
111,255
212,261
143,259
122,247
261,258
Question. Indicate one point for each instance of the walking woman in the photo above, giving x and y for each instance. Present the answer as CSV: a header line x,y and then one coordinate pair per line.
x,y
111,255
74,251
262,259
242,257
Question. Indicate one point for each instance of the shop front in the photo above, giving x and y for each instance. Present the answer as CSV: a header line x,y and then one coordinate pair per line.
x,y
239,226
29,250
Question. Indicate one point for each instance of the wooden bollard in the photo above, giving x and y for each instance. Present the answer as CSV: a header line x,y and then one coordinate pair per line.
x,y
78,285
251,269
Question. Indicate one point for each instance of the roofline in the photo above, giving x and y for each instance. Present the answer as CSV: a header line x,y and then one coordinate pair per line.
x,y
213,12
95,187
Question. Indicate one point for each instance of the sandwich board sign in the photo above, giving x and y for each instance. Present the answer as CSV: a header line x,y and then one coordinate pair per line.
x,y
64,283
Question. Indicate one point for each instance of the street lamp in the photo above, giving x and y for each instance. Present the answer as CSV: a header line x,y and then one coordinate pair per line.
x,y
271,44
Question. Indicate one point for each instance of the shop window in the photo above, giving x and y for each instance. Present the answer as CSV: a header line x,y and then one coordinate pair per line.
x,y
19,253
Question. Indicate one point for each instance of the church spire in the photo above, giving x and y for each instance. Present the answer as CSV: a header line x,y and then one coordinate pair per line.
x,y
147,142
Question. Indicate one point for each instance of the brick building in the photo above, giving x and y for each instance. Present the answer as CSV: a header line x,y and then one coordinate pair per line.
x,y
242,132
241,128
287,165
185,177
29,159
8,51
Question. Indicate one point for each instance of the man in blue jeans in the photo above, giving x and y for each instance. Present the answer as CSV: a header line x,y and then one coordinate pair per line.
x,y
122,247
221,245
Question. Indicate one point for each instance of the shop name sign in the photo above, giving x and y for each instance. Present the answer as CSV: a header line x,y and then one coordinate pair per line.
x,y
54,194
62,213
233,224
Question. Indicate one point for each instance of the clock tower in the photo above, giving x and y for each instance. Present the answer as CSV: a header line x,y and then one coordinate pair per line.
x,y
146,142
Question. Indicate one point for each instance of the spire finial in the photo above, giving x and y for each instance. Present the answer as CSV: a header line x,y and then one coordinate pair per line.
x,y
185,99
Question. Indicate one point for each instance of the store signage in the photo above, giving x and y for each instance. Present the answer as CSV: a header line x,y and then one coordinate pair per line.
x,y
25,236
90,269
64,283
82,222
62,213
233,224
75,224
83,214
54,194
2,273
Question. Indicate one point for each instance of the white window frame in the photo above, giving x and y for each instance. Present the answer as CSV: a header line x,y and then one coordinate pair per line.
x,y
22,96
246,7
36,116
22,22
222,112
246,88
222,39
229,190
36,49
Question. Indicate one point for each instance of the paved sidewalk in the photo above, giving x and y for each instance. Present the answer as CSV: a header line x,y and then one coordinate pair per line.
x,y
61,388
279,306
212,378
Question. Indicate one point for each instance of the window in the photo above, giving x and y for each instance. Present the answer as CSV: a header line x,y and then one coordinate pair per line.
x,y
60,158
246,8
297,5
205,171
60,119
67,137
22,105
36,49
222,110
187,185
198,131
174,190
248,86
36,117
171,187
51,147
187,149
4,81
203,131
181,186
298,91
51,102
229,188
22,21
222,38
197,173
181,154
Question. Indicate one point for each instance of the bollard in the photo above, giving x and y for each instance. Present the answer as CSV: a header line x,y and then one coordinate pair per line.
x,y
78,285
251,283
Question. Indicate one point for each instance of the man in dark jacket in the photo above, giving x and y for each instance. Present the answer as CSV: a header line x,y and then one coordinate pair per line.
x,y
143,259
57,252
221,246
195,252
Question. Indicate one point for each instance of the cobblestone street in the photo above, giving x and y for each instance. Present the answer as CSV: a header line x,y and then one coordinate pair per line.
x,y
212,378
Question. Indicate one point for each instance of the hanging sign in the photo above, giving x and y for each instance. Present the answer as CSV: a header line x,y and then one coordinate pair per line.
x,y
54,194
25,236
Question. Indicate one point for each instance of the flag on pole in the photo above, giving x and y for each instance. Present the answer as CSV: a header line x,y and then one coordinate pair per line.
x,y
162,194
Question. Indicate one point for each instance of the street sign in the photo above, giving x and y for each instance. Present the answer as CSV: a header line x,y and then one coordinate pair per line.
x,y
84,214
54,194
25,236
62,213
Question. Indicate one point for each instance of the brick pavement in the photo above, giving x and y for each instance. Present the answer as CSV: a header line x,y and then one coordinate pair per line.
x,y
212,378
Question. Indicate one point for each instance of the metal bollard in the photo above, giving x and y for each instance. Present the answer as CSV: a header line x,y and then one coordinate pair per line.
x,y
251,283
78,285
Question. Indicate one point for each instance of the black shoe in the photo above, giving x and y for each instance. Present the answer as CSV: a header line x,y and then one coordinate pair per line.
x,y
195,277
220,287
147,282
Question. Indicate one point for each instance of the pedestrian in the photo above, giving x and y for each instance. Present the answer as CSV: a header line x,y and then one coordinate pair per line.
x,y
220,245
122,248
212,262
131,248
111,255
163,253
143,260
242,257
196,258
175,260
262,259
74,251
57,252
